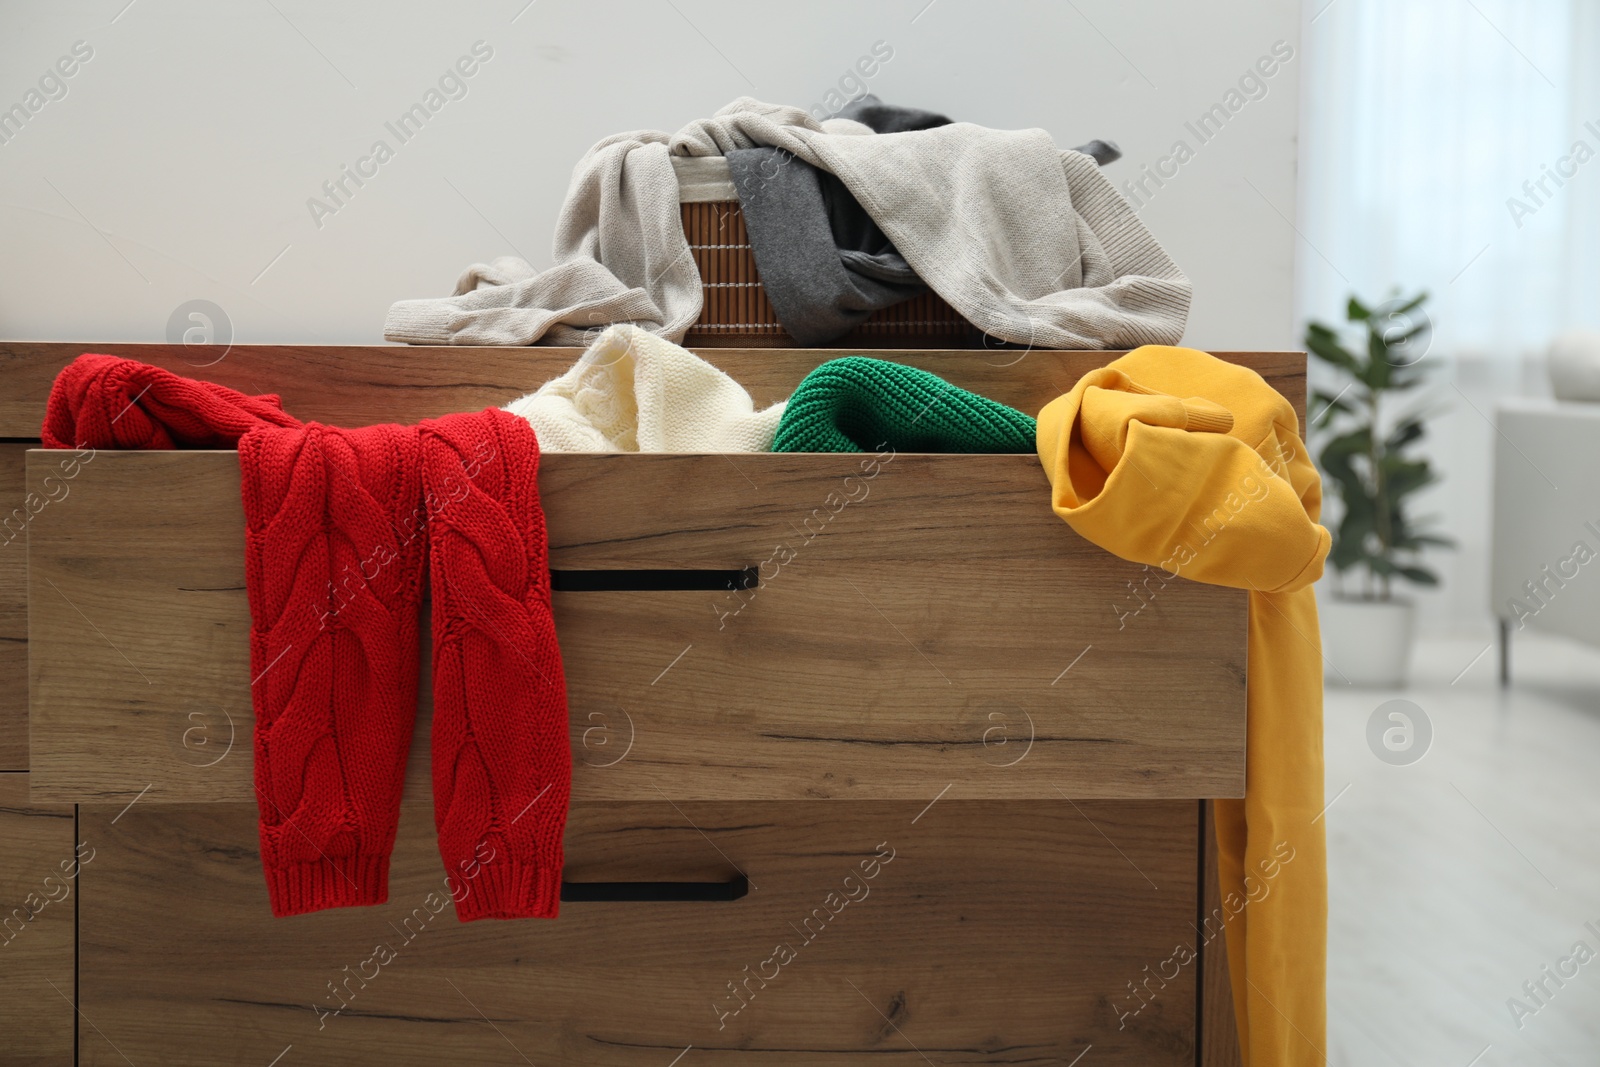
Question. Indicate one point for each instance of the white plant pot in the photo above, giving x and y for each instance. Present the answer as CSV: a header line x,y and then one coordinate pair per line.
x,y
1366,642
1574,365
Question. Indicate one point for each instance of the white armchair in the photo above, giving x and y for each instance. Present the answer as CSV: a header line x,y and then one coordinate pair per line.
x,y
1545,561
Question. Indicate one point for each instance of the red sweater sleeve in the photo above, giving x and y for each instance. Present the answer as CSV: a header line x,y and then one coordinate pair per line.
x,y
105,402
334,549
338,525
502,765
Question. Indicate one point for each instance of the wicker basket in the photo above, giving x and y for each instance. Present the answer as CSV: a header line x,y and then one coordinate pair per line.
x,y
737,313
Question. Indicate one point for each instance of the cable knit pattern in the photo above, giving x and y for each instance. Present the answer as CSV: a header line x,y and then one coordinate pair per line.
x,y
338,526
333,565
502,767
106,402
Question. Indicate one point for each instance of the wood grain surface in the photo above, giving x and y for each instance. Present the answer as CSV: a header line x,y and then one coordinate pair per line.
x,y
40,876
1219,1026
14,517
357,385
997,934
902,647
967,653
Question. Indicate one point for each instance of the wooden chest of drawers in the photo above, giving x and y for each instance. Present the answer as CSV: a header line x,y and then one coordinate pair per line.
x,y
921,662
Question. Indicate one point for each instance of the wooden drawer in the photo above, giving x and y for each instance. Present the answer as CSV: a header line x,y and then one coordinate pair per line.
x,y
40,876
923,622
14,516
997,933
335,384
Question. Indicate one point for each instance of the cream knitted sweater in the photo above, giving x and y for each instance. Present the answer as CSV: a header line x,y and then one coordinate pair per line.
x,y
635,392
1030,244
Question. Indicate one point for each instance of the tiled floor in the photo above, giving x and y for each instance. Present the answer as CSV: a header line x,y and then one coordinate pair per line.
x,y
1457,878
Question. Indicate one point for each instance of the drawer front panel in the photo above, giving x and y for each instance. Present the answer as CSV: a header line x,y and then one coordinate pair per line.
x,y
944,627
964,932
15,515
41,871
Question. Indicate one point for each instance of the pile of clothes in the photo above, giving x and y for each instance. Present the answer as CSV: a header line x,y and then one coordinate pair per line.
x,y
635,392
1029,243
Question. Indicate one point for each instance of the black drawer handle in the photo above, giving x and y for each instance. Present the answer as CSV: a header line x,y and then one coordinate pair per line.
x,y
602,581
595,892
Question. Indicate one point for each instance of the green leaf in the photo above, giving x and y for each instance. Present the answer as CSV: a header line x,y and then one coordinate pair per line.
x,y
1411,542
1420,575
1337,456
1404,433
1326,402
1356,440
1356,311
1349,543
1377,371
1402,478
1400,382
1324,344
1395,340
1412,304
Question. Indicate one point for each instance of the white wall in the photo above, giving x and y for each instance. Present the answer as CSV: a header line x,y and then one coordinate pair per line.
x,y
179,163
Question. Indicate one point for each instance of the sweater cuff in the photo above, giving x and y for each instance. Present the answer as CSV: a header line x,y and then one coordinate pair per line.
x,y
345,882
421,322
511,890
1205,416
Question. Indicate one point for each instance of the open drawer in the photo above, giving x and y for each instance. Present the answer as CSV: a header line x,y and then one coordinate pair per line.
x,y
912,622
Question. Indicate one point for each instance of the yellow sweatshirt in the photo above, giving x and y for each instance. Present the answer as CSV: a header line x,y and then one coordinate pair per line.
x,y
1175,459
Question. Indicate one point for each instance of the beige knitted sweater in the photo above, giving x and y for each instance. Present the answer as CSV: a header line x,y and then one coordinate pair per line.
x,y
1030,244
635,392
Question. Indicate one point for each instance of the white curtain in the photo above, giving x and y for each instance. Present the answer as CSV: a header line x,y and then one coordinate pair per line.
x,y
1422,120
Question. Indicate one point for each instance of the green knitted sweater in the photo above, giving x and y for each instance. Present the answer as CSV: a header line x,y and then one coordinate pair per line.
x,y
856,404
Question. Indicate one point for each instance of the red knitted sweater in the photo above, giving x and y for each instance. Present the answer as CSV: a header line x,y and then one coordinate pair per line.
x,y
339,524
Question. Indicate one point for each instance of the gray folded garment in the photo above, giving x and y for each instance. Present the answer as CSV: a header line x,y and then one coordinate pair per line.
x,y
1102,152
890,118
824,263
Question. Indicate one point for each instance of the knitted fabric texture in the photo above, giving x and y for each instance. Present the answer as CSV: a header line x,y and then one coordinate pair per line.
x,y
1029,243
333,651
502,765
106,402
339,527
635,392
856,404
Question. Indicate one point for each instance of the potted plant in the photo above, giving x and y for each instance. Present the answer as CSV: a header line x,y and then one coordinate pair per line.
x,y
1368,464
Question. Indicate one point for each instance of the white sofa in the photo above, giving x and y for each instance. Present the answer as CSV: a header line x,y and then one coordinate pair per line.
x,y
1545,560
